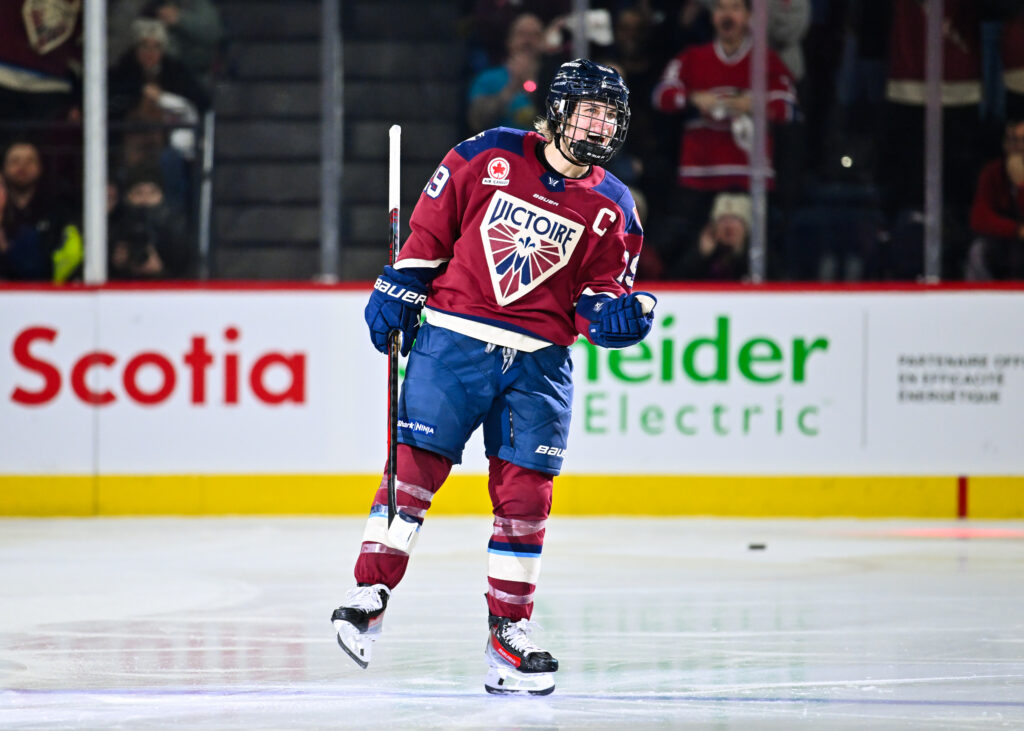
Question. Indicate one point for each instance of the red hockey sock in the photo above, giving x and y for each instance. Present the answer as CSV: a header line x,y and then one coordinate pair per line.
x,y
419,476
522,501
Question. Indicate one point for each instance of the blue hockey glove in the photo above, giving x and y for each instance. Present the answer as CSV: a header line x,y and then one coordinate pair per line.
x,y
621,322
395,304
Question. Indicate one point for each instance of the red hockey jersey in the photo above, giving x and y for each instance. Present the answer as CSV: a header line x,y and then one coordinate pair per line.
x,y
40,45
1013,54
998,208
517,244
961,53
709,158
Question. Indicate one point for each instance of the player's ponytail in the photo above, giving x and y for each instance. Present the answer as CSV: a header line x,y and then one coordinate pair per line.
x,y
544,128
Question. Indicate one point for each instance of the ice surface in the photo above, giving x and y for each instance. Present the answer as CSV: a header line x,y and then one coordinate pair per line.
x,y
225,623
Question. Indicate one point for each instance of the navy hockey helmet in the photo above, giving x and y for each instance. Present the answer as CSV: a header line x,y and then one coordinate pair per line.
x,y
583,79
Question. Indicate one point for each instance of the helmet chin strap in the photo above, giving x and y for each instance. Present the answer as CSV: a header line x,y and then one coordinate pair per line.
x,y
558,146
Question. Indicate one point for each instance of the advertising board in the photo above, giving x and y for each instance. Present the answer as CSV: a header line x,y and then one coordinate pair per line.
x,y
729,383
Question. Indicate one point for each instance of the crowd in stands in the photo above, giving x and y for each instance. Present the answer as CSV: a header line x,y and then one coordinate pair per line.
x,y
846,105
162,56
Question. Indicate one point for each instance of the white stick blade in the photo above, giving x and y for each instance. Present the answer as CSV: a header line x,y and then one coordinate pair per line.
x,y
394,166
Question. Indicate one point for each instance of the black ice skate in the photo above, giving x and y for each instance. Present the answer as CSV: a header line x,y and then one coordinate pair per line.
x,y
516,665
358,620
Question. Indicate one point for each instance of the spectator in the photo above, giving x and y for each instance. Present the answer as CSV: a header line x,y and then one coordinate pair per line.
x,y
721,251
997,216
902,162
145,72
491,19
1013,65
506,95
148,239
903,158
193,34
41,61
5,245
788,21
121,14
633,31
711,83
152,89
193,28
41,241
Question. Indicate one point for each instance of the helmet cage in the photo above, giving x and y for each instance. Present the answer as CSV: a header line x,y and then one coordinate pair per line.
x,y
574,83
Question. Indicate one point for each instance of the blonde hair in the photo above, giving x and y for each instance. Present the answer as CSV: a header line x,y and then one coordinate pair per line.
x,y
543,127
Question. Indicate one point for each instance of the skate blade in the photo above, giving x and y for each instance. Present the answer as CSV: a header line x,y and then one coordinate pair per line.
x,y
506,691
507,681
356,645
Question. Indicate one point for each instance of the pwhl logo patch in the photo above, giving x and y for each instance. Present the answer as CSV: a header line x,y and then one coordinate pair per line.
x,y
524,245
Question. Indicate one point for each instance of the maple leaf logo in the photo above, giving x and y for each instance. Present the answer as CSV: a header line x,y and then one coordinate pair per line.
x,y
498,168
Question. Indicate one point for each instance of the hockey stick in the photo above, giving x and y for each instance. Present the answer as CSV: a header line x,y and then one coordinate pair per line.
x,y
402,533
394,337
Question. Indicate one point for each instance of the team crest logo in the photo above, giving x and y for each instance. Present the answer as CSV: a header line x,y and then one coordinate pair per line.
x,y
49,23
497,172
524,245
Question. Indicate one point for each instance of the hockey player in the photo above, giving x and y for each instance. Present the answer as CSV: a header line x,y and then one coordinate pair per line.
x,y
520,241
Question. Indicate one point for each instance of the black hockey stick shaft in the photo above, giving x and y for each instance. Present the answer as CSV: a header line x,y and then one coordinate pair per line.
x,y
393,345
394,337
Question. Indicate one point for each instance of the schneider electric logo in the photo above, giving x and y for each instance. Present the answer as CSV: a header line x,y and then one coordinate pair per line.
x,y
656,387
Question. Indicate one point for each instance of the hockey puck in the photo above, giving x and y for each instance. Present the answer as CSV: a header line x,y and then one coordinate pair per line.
x,y
756,546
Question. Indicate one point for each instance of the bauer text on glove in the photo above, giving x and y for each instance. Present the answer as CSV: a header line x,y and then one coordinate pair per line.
x,y
395,304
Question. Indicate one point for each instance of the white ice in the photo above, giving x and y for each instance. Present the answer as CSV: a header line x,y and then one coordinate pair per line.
x,y
225,623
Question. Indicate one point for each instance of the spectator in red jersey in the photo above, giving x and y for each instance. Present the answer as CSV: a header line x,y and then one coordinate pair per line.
x,y
997,216
906,95
1013,65
902,162
711,83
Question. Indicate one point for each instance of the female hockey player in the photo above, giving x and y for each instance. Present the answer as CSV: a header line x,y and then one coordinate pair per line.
x,y
519,242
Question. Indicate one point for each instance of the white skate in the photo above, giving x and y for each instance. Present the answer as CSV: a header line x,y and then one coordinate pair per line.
x,y
515,664
358,621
